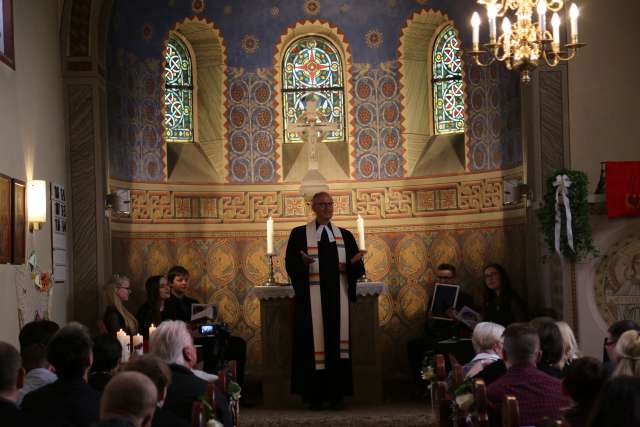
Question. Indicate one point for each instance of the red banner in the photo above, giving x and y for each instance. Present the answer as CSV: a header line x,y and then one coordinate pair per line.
x,y
623,188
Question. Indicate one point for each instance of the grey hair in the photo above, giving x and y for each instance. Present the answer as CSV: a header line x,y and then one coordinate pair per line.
x,y
129,395
486,335
570,348
10,364
169,340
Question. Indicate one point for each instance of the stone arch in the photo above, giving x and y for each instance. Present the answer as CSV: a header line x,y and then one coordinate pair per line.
x,y
204,160
426,153
346,152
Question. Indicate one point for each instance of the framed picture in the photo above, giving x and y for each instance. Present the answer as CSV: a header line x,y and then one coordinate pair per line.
x,y
19,222
7,54
6,247
444,297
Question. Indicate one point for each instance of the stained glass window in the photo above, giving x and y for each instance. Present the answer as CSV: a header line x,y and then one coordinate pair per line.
x,y
312,72
178,92
448,98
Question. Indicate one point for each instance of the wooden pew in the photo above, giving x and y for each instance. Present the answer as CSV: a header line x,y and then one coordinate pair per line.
x,y
480,417
510,412
443,405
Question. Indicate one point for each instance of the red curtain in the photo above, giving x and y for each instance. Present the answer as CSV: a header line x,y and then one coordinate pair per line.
x,y
623,188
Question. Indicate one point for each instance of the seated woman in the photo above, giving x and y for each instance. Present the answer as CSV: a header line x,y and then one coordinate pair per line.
x,y
116,316
502,305
582,382
551,346
487,343
628,351
570,350
107,352
153,309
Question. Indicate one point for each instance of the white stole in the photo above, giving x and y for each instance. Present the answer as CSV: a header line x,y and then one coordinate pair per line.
x,y
316,299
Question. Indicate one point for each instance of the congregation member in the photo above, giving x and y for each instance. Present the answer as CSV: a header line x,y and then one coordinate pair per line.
x,y
628,354
583,380
160,374
173,344
487,343
618,404
323,262
129,400
69,401
116,316
539,395
551,346
178,305
11,376
570,350
107,352
153,311
613,334
501,303
34,338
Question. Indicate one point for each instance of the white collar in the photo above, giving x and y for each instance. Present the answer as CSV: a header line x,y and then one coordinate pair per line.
x,y
329,232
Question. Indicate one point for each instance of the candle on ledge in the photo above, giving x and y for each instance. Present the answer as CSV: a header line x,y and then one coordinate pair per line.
x,y
125,342
137,344
361,241
555,24
492,12
152,329
573,14
542,16
270,236
475,23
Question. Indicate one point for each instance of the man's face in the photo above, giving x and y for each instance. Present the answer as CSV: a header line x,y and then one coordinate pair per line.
x,y
180,284
322,206
446,277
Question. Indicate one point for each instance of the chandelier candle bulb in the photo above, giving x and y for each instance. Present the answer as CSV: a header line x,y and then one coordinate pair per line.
x,y
491,14
555,24
361,241
270,236
542,17
573,15
475,23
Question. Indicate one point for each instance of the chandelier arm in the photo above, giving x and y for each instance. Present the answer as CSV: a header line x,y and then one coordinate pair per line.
x,y
557,57
478,61
554,5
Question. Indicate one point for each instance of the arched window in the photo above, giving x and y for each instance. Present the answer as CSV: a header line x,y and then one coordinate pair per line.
x,y
312,71
178,92
448,99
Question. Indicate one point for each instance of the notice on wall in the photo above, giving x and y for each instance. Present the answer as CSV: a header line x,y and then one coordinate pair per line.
x,y
59,232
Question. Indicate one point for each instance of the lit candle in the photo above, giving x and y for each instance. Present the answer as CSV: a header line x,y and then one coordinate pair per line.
x,y
137,344
542,16
506,39
573,14
361,241
125,342
152,329
475,23
492,12
270,236
555,24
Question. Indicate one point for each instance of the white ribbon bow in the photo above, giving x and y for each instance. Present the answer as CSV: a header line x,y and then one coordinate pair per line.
x,y
562,184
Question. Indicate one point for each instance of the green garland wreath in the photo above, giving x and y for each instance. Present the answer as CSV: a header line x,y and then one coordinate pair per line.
x,y
578,192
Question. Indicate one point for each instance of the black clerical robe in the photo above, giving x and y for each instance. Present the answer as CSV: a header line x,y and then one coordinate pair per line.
x,y
336,380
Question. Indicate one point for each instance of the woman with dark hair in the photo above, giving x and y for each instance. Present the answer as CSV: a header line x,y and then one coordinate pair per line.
x,y
153,309
502,305
618,404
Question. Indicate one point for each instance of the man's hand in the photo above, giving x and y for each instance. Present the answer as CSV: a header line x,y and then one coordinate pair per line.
x,y
306,258
452,313
356,258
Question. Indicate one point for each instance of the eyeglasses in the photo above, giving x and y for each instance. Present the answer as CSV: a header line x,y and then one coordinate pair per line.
x,y
609,343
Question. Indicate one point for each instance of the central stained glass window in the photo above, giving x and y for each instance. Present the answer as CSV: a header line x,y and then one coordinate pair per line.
x,y
448,95
178,92
312,71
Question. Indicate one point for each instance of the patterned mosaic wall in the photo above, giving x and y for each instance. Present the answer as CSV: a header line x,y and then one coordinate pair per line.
x,y
250,31
226,269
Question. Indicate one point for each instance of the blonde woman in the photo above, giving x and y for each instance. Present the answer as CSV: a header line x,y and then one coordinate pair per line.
x,y
570,350
628,350
116,316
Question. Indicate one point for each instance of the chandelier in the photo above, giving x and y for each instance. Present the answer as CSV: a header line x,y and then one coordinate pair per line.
x,y
523,43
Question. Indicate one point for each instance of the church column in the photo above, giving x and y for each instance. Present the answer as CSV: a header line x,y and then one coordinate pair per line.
x,y
83,34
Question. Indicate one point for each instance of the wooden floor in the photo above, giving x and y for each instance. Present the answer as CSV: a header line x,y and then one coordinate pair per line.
x,y
404,414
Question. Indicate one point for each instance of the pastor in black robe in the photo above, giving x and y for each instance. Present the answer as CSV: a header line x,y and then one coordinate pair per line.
x,y
336,380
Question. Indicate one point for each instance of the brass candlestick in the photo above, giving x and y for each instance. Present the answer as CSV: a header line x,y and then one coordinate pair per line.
x,y
271,280
364,278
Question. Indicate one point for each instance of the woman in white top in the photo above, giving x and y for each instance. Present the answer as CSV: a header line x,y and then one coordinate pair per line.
x,y
487,342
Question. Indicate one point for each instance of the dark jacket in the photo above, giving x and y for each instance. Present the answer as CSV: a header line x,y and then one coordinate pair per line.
x,y
11,416
64,403
178,308
113,320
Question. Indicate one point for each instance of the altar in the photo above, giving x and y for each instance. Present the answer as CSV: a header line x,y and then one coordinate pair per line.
x,y
276,314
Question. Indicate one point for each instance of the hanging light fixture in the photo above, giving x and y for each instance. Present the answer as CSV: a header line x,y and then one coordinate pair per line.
x,y
523,43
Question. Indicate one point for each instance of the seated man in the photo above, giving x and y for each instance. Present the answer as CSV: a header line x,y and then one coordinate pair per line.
x,y
34,338
11,376
173,344
539,395
107,352
129,400
178,307
69,400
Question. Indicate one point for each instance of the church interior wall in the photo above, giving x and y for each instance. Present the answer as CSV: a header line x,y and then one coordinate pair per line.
x,y
416,218
33,147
